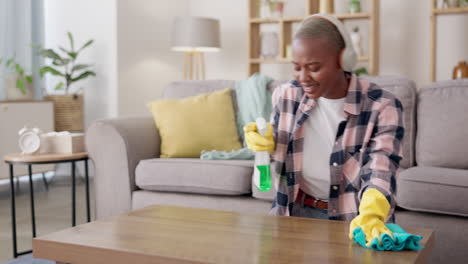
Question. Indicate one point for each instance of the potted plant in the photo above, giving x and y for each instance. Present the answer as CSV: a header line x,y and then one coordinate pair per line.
x,y
18,83
68,107
354,6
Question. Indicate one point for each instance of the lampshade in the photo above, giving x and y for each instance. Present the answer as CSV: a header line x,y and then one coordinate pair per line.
x,y
195,34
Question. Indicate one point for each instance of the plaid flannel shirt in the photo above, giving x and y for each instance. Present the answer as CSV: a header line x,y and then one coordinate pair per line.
x,y
366,154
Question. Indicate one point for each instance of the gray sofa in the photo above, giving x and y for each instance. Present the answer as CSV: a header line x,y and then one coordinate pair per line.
x,y
431,189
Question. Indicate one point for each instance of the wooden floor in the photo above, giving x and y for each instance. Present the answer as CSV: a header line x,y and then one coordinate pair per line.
x,y
53,210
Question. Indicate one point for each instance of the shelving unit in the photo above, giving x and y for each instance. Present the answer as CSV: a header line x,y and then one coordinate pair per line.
x,y
435,12
286,27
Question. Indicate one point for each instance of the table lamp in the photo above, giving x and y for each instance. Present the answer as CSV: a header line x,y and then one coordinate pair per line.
x,y
194,36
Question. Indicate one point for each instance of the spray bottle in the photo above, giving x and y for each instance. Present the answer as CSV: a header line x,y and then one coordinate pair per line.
x,y
262,176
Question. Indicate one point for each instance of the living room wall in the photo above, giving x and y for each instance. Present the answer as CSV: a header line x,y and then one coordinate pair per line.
x,y
146,62
133,40
87,19
404,39
231,61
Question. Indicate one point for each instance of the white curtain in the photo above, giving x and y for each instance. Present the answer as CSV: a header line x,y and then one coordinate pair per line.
x,y
21,24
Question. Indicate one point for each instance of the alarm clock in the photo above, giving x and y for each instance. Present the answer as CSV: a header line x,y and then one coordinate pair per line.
x,y
30,140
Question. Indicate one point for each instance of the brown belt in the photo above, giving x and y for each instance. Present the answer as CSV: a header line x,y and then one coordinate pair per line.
x,y
309,200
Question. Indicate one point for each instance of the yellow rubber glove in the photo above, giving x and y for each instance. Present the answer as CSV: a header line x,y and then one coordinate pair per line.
x,y
257,142
373,211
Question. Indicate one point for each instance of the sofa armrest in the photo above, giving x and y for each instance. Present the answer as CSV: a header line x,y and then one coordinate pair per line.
x,y
115,147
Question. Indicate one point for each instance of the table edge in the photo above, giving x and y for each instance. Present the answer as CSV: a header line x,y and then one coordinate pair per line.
x,y
15,158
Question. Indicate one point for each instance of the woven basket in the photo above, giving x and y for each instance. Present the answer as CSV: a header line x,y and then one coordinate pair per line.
x,y
68,112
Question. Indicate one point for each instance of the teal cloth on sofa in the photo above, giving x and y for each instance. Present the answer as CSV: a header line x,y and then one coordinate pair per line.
x,y
253,101
401,240
240,154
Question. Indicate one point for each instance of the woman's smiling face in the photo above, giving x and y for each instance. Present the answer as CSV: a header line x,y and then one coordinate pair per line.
x,y
317,67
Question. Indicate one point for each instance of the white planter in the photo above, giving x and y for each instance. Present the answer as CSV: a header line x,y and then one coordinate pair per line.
x,y
13,93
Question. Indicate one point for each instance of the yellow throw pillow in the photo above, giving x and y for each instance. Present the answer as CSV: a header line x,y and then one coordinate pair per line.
x,y
189,125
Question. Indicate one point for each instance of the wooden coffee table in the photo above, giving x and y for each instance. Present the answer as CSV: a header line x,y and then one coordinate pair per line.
x,y
170,234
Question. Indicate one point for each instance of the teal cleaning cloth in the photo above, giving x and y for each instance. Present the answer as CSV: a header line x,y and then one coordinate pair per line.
x,y
253,100
240,154
400,241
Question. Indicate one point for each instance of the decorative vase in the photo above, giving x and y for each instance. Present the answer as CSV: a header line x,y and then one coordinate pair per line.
x,y
68,112
269,45
460,71
326,6
13,93
354,6
356,40
264,10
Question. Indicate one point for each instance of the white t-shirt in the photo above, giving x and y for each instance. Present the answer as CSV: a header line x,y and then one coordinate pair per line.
x,y
319,136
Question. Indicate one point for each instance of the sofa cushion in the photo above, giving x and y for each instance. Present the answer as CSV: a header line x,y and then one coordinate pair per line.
x,y
238,203
405,90
189,125
432,189
228,177
442,125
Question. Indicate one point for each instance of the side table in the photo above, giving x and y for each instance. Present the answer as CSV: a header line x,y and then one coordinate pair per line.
x,y
34,159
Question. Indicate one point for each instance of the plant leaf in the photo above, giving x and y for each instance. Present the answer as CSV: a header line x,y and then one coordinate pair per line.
x,y
50,53
28,78
71,54
20,85
50,70
83,75
63,49
72,43
59,86
86,44
78,67
60,62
